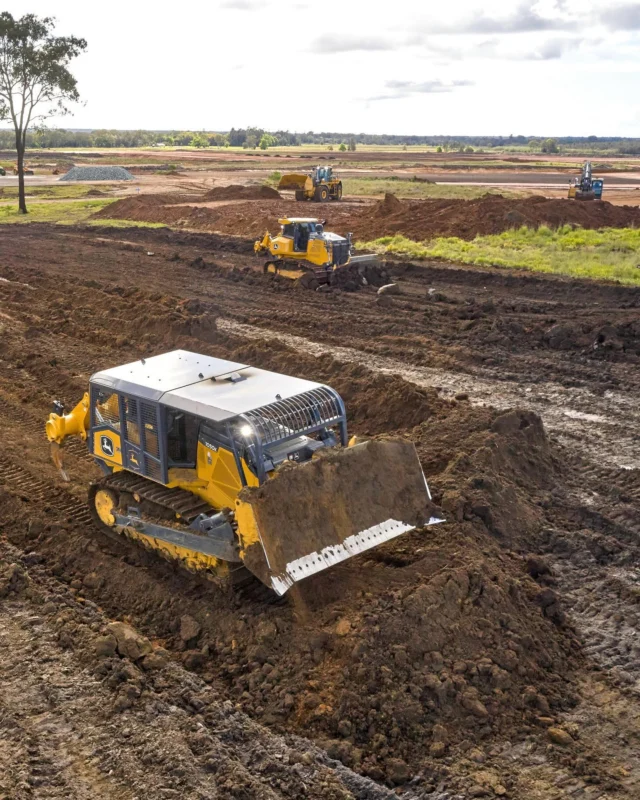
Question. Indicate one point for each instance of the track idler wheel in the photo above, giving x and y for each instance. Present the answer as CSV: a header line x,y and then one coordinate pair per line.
x,y
103,505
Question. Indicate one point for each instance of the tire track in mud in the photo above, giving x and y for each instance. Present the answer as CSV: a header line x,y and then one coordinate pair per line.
x,y
582,420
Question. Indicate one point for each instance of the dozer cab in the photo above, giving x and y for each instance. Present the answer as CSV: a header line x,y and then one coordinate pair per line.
x,y
304,251
225,468
320,185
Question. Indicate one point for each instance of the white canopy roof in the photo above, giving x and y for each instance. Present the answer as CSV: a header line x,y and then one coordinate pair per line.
x,y
208,387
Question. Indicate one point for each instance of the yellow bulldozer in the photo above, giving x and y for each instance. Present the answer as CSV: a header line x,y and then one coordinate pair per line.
x,y
305,252
227,468
320,185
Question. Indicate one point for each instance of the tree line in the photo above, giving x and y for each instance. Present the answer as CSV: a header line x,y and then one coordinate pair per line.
x,y
254,138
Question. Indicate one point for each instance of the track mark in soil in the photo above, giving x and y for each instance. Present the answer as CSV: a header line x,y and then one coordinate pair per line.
x,y
581,428
23,484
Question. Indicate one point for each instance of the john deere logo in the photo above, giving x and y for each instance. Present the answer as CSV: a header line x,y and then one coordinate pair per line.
x,y
106,445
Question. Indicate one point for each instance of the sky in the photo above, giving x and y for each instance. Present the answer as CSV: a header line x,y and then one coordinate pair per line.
x,y
460,67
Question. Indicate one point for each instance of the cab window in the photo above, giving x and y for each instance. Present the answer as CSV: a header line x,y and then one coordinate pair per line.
x,y
106,408
182,438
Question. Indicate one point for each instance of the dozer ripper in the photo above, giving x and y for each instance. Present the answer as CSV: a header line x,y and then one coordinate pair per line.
x,y
304,251
320,185
224,467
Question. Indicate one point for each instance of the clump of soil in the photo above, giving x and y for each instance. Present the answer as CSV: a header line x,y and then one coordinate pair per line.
x,y
237,192
390,205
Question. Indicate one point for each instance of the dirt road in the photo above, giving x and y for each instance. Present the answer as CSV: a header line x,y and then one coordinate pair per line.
x,y
498,651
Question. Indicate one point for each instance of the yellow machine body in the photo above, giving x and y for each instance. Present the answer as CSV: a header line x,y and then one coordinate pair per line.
x,y
320,185
222,466
304,250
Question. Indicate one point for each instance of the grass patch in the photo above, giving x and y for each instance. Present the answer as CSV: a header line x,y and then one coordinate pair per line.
x,y
609,254
61,213
414,190
57,191
72,213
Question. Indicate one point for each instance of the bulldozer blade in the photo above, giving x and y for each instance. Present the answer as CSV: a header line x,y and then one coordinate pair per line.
x,y
314,515
56,457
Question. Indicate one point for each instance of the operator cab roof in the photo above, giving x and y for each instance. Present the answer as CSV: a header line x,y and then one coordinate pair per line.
x,y
211,388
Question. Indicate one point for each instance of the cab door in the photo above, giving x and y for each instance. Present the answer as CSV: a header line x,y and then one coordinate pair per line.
x,y
132,448
143,447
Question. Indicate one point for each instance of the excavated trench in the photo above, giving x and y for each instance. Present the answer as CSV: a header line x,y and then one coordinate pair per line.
x,y
490,663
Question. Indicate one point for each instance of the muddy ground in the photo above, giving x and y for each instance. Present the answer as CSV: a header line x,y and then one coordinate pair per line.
x,y
494,655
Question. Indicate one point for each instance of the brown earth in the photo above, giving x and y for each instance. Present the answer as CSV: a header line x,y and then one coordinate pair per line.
x,y
237,192
417,219
491,655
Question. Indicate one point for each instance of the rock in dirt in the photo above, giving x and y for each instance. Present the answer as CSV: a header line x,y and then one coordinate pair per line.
x,y
130,643
397,771
13,578
390,288
106,646
560,736
189,628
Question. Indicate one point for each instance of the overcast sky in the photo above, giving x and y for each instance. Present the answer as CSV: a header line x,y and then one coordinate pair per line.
x,y
555,67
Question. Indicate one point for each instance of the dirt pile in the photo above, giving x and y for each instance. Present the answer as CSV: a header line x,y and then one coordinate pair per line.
x,y
425,219
389,205
416,219
237,192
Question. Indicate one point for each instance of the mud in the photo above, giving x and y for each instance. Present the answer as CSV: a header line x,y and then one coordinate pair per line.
x,y
416,219
443,663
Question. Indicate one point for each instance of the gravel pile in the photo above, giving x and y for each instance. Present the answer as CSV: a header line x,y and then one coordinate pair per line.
x,y
97,174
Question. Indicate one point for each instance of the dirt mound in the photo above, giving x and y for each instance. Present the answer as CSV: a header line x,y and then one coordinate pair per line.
x,y
416,219
425,219
390,205
237,192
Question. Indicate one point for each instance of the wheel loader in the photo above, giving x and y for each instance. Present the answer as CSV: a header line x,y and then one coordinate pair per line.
x,y
227,468
320,185
304,251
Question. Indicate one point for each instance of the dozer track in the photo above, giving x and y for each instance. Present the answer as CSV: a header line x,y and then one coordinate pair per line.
x,y
185,506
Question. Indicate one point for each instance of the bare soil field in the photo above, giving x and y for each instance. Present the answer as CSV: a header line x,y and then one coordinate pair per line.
x,y
167,169
416,219
492,656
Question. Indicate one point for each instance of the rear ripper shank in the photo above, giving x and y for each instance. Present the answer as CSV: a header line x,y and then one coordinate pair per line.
x,y
223,466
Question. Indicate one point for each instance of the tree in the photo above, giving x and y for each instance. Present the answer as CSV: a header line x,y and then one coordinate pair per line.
x,y
267,140
35,82
199,140
352,144
550,146
439,149
343,148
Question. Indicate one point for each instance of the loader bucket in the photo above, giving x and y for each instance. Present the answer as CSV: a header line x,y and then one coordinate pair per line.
x,y
311,516
295,181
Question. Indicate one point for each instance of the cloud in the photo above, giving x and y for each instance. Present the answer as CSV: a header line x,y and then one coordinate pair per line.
x,y
552,49
243,5
400,89
621,18
330,43
523,20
